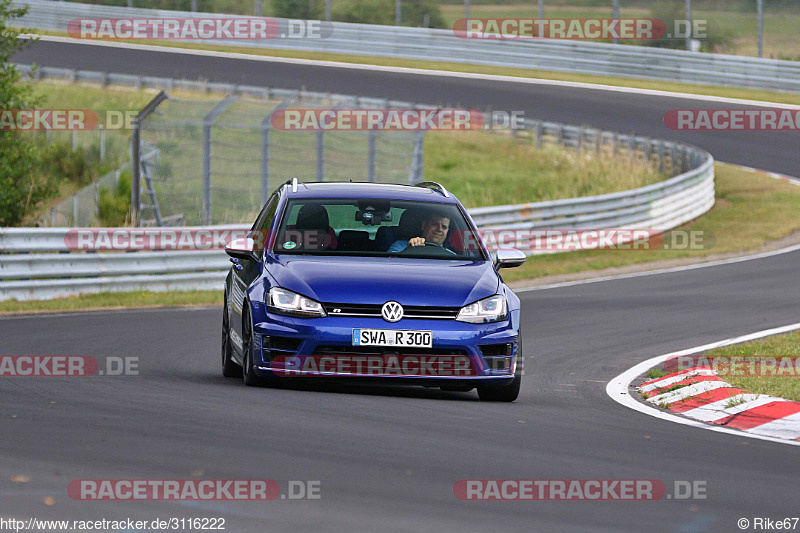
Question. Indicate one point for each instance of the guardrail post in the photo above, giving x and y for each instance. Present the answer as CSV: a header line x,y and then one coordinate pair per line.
x,y
539,133
371,137
320,155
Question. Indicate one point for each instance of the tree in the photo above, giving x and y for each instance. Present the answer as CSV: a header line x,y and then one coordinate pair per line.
x,y
19,187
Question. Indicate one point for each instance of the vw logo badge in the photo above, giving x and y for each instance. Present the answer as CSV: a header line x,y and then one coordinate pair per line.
x,y
392,311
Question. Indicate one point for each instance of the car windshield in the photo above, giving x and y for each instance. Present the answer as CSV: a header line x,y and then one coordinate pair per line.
x,y
377,228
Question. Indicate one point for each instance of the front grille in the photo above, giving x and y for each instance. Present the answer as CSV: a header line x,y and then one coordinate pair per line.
x,y
383,350
409,311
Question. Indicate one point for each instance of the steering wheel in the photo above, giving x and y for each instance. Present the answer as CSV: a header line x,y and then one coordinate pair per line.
x,y
430,249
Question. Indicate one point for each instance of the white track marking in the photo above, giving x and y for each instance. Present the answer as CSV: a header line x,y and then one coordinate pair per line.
x,y
665,382
787,427
716,410
617,388
687,392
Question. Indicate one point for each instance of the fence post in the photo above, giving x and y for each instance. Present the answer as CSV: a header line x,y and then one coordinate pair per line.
x,y
320,155
416,172
136,199
74,140
371,138
102,143
265,160
208,122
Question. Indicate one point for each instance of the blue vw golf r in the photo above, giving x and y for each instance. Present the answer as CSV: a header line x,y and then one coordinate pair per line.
x,y
371,282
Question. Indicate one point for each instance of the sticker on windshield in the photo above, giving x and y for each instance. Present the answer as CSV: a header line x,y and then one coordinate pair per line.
x,y
289,245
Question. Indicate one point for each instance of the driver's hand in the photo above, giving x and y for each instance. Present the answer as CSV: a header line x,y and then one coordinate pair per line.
x,y
417,241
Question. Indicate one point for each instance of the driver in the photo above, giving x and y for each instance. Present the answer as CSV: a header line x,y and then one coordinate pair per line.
x,y
434,230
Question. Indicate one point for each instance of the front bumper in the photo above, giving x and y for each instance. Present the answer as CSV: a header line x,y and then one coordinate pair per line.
x,y
282,343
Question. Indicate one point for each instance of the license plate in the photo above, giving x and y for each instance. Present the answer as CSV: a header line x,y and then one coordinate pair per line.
x,y
392,337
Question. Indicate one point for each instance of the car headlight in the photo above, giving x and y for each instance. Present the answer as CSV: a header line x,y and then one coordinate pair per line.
x,y
290,303
491,309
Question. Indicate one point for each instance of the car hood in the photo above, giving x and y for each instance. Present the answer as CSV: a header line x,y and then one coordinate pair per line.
x,y
375,280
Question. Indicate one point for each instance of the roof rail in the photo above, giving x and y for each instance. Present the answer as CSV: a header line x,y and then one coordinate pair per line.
x,y
438,187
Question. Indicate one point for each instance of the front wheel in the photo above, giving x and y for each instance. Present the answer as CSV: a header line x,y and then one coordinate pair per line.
x,y
506,393
249,375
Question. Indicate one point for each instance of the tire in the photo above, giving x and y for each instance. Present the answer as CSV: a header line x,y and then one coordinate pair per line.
x,y
229,368
250,377
506,393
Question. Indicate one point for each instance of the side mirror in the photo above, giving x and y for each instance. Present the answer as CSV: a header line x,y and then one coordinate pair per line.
x,y
243,249
509,258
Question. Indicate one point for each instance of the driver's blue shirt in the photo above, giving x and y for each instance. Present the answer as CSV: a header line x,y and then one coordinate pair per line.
x,y
400,245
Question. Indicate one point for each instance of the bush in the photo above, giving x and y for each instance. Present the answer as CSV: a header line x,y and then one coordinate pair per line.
x,y
114,207
382,12
19,187
717,39
299,9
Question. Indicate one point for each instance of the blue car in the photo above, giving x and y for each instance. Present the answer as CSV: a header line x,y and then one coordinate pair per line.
x,y
377,282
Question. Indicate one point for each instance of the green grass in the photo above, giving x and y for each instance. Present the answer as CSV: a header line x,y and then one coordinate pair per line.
x,y
114,300
751,210
484,169
779,345
659,85
655,373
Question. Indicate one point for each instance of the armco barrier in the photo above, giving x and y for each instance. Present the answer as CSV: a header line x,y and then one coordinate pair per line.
x,y
27,275
443,45
35,263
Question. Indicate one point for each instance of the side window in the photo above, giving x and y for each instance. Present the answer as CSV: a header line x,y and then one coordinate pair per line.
x,y
260,230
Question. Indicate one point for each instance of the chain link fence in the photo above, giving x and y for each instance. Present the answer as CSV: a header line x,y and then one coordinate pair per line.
x,y
216,160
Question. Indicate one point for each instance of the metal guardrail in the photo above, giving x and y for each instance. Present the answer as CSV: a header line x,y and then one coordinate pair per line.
x,y
443,45
29,276
35,263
